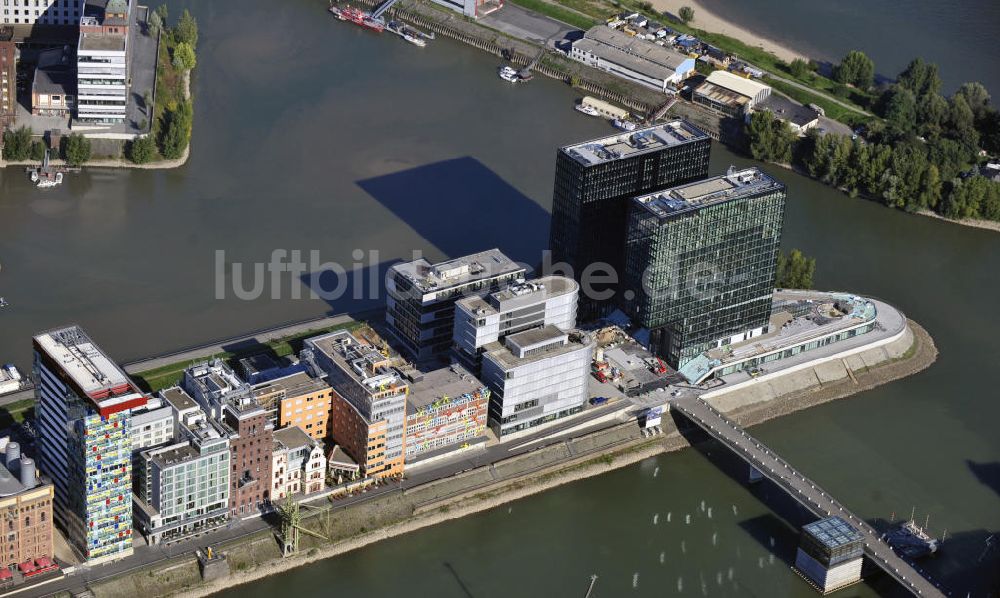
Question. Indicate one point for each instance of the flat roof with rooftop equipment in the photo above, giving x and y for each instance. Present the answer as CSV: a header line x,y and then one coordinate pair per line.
x,y
626,145
733,185
436,277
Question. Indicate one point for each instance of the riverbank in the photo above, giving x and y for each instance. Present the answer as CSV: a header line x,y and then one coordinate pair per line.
x,y
258,557
710,21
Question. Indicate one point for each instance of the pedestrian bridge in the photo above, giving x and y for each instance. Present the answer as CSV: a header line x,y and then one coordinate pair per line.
x,y
804,490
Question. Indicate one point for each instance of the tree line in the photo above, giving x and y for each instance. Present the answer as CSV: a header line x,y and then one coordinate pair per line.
x,y
923,155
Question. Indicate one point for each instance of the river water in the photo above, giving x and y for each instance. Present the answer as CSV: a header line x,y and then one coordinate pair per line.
x,y
313,135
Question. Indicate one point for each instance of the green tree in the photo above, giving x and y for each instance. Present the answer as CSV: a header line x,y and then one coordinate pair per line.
x,y
976,96
184,57
794,270
178,131
989,128
38,151
950,156
141,150
77,149
920,77
930,188
901,108
771,138
962,123
154,23
162,12
856,69
932,113
17,144
186,30
686,13
966,197
799,68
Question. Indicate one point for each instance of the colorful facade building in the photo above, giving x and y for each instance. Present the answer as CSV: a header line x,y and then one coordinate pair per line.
x,y
447,409
84,423
298,400
25,508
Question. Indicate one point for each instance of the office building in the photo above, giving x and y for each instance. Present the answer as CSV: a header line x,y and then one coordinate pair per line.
x,y
730,94
26,506
594,182
41,12
153,424
479,321
447,408
102,62
183,488
231,402
299,464
701,262
369,407
420,297
297,400
8,77
84,437
535,377
632,57
829,554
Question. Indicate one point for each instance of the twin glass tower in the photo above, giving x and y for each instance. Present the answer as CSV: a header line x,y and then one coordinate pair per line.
x,y
694,257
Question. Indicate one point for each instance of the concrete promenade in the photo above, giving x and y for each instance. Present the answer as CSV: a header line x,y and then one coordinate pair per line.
x,y
804,490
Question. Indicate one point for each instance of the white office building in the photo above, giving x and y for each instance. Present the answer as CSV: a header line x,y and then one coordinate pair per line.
x,y
536,376
479,321
102,62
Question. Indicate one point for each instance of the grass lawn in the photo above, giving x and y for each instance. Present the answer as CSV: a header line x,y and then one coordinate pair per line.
x,y
557,12
16,412
171,375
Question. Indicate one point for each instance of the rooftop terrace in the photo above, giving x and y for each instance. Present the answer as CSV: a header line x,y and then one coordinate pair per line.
x,y
518,293
370,363
627,145
534,345
457,272
735,184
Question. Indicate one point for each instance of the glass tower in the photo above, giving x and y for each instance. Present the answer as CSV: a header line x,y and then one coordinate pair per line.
x,y
700,262
594,182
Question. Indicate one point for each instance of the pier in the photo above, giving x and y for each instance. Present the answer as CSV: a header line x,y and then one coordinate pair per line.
x,y
805,491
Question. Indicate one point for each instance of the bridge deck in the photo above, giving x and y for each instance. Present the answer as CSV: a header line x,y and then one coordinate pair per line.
x,y
807,492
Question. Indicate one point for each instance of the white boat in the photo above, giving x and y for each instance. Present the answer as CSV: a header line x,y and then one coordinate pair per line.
x,y
46,176
3,302
586,109
623,124
508,74
416,41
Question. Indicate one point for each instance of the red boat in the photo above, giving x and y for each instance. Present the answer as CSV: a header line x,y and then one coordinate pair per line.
x,y
362,18
337,13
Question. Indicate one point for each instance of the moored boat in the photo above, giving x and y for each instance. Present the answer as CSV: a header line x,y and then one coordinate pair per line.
x,y
586,109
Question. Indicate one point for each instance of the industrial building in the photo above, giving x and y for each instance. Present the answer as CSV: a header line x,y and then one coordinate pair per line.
x,y
299,464
479,321
471,8
594,182
102,62
84,437
830,554
420,297
369,408
535,377
700,262
799,118
26,506
730,94
633,58
446,408
183,488
298,400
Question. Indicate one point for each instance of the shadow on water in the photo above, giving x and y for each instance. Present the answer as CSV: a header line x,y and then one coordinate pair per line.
x,y
987,473
458,580
359,292
461,206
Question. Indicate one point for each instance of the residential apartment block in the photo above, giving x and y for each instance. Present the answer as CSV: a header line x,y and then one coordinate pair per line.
x,y
84,425
479,321
420,297
8,77
447,407
41,12
535,377
701,262
26,508
299,464
594,182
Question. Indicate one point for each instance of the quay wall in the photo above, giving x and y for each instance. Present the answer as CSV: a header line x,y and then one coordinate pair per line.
x,y
257,555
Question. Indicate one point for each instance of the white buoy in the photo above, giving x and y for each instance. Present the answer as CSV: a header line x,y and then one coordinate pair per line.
x,y
687,519
663,557
669,513
735,512
680,584
770,559
771,540
635,580
709,512
702,506
656,518
760,562
684,548
730,574
718,578
715,538
656,472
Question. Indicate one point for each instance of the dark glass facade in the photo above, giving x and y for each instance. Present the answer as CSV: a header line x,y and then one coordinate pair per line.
x,y
590,204
700,272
